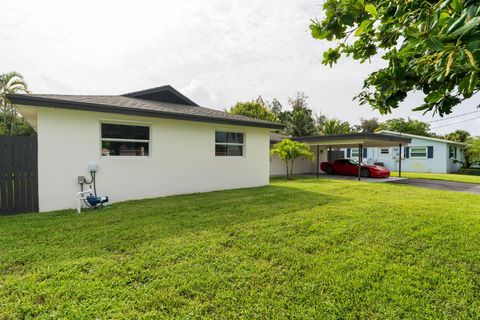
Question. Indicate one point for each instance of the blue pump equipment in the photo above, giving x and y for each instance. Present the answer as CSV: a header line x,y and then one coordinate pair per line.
x,y
96,201
89,197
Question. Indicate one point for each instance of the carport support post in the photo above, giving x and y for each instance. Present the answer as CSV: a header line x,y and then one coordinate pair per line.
x,y
318,160
329,154
360,157
399,160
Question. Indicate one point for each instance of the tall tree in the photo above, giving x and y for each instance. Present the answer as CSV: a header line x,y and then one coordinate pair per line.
x,y
300,123
276,107
367,125
299,101
335,126
261,101
320,120
458,135
253,109
429,46
406,126
10,83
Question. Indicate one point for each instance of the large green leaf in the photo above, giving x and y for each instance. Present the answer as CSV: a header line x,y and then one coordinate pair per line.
x,y
434,96
434,43
473,46
370,8
364,27
457,23
469,25
457,5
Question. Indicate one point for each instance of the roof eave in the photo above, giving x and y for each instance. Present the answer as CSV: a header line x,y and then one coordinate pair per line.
x,y
340,137
62,104
416,136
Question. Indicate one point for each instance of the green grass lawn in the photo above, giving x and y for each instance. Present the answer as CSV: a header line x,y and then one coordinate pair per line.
x,y
318,249
440,176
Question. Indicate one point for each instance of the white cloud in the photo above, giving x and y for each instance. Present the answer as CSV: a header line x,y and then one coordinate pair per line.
x,y
217,52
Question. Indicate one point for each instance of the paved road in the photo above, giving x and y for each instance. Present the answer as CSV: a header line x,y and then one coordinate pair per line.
x,y
442,185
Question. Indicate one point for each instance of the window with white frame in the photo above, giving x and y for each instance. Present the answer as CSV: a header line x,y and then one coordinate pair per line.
x,y
418,152
452,152
125,140
229,144
384,151
354,153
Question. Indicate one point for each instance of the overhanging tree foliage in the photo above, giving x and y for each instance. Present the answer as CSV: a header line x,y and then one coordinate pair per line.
x,y
431,46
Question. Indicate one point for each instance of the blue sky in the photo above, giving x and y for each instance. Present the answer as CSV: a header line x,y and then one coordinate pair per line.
x,y
217,52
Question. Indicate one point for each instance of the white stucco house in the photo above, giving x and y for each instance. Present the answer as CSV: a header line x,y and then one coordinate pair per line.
x,y
423,154
148,143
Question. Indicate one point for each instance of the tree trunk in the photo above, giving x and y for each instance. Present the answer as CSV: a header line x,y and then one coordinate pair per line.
x,y
466,160
286,166
5,119
291,170
12,120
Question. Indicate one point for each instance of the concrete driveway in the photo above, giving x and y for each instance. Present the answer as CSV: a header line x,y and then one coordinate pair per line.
x,y
441,185
354,178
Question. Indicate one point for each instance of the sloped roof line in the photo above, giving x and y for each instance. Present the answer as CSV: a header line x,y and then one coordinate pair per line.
x,y
140,107
420,137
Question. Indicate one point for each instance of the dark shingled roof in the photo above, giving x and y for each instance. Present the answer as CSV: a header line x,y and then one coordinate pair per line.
x,y
136,106
277,137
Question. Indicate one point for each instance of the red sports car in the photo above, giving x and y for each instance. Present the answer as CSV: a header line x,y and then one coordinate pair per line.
x,y
349,167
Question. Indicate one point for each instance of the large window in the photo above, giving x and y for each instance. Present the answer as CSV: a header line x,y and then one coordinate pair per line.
x,y
125,140
418,152
230,144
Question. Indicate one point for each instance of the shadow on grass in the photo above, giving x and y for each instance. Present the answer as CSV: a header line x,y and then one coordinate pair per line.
x,y
132,223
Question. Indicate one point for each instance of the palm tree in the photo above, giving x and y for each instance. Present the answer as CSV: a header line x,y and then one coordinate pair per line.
x,y
11,82
300,123
458,135
335,126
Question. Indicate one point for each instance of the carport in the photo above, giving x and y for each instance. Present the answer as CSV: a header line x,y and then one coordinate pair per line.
x,y
355,140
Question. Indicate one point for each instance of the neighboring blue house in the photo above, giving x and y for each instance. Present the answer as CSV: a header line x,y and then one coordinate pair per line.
x,y
424,154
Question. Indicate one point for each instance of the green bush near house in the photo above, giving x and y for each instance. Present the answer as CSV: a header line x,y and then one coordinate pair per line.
x,y
307,249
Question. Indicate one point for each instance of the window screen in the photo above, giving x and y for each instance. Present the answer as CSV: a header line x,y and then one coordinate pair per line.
x,y
229,144
418,152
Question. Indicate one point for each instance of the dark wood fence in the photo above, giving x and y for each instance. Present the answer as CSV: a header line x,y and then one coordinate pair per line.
x,y
18,175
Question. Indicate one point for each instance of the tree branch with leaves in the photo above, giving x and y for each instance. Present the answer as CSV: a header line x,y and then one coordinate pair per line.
x,y
430,46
